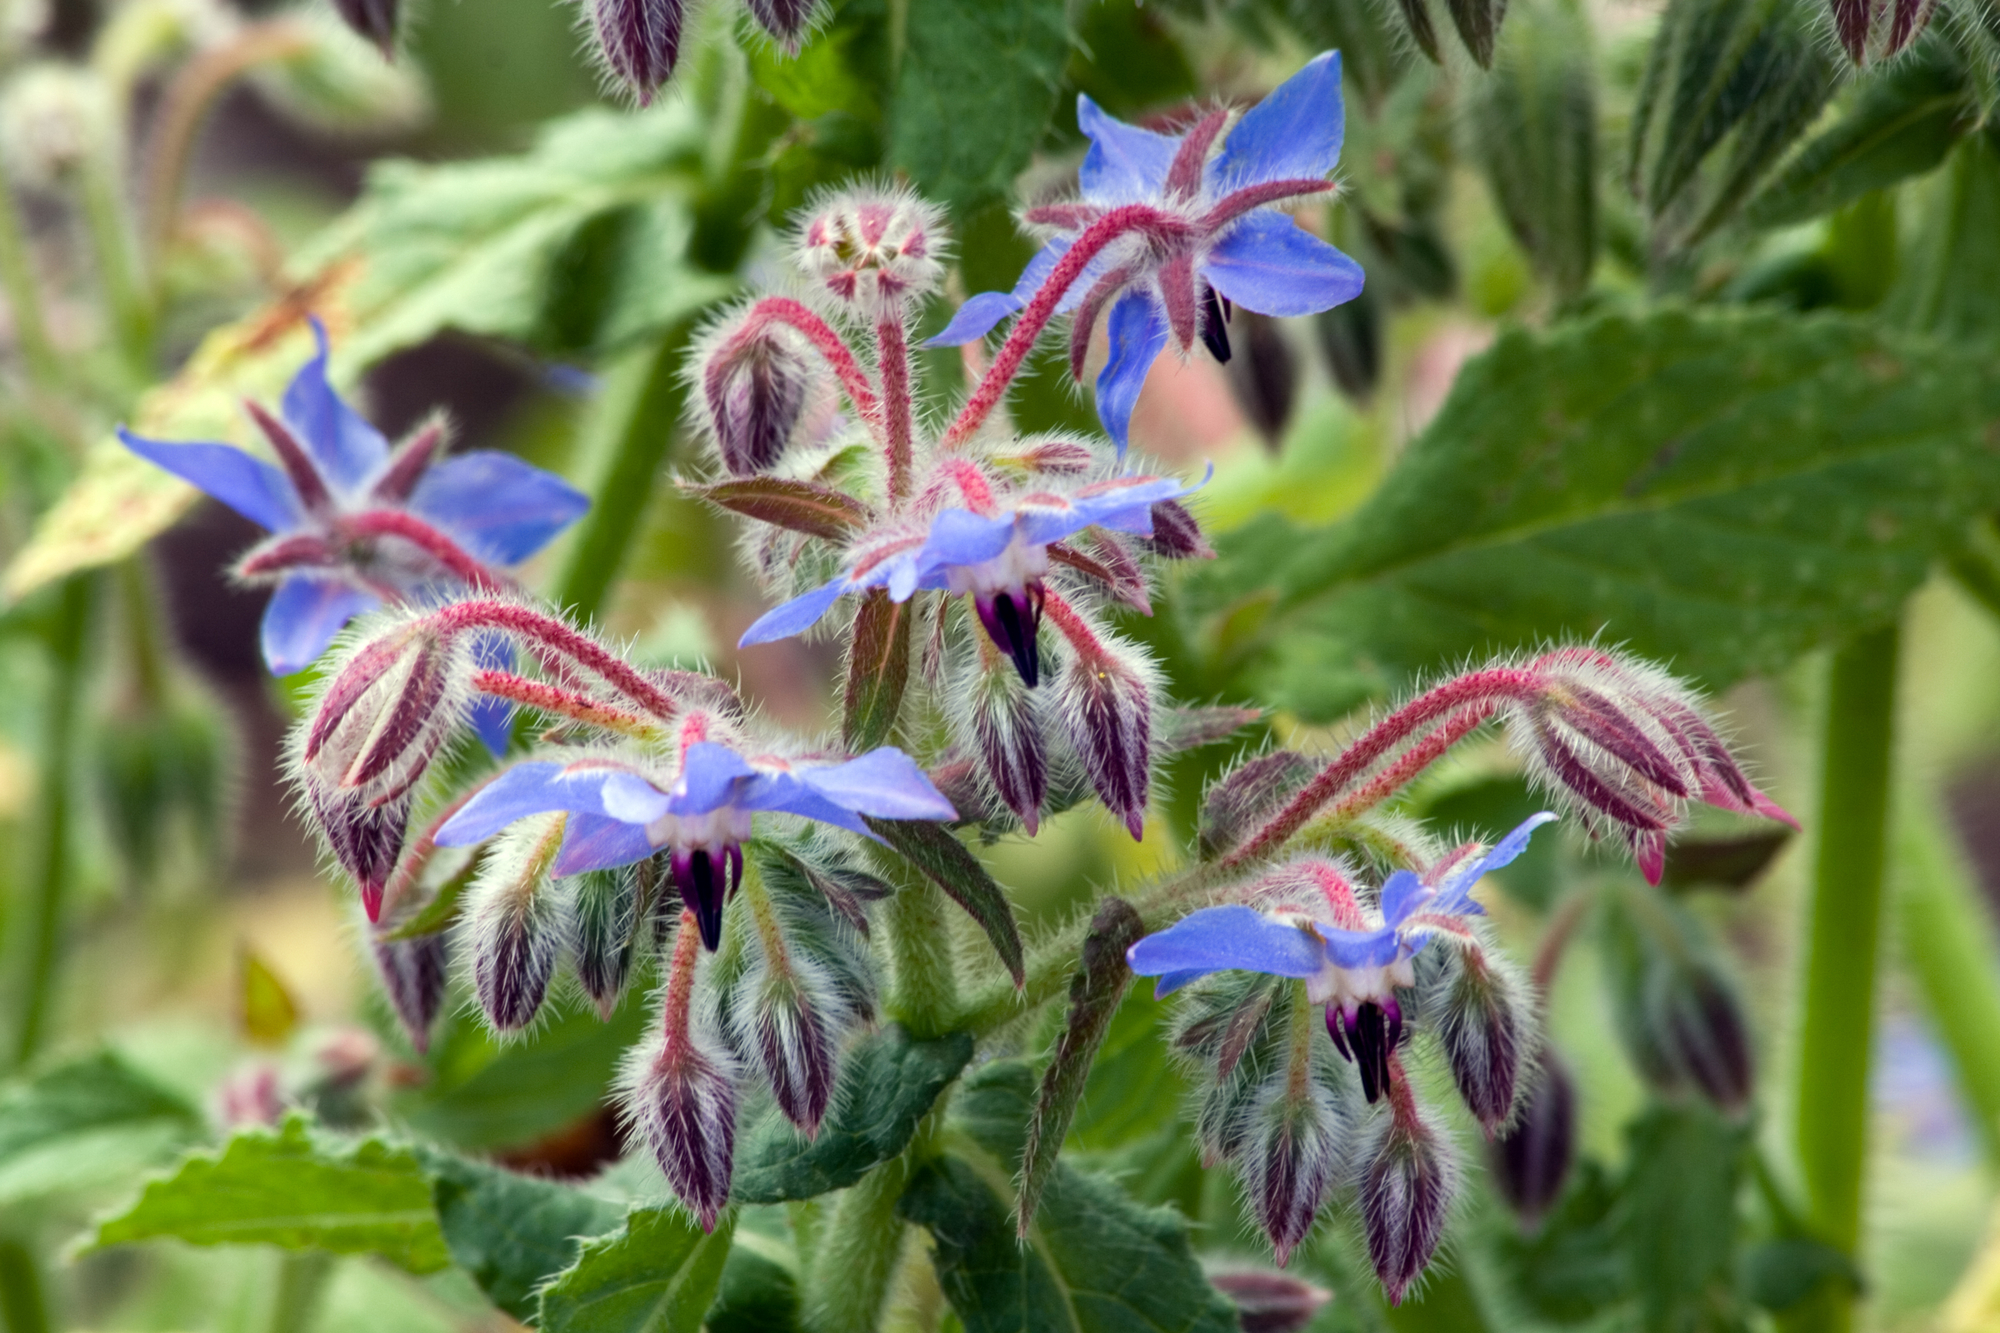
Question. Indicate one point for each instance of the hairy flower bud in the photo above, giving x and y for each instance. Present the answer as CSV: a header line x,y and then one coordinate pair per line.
x,y
1407,1185
253,1095
679,1091
754,388
52,117
1003,730
1105,701
374,20
1269,1302
1290,1159
1531,1157
1483,1022
1706,1036
1677,1012
604,910
1879,27
785,20
515,926
1176,536
873,250
388,711
366,839
639,40
414,973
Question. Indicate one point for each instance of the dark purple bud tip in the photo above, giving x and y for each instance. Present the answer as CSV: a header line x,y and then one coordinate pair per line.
x,y
706,886
1532,1158
1705,1031
798,1056
756,391
1271,1302
1367,1035
373,19
640,39
685,1105
1406,1191
785,20
414,973
1012,619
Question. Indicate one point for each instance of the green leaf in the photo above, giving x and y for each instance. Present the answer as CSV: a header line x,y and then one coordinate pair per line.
x,y
297,1188
1094,992
888,1083
1952,285
801,506
878,670
759,1292
1900,124
944,860
1686,1162
1575,1264
90,1121
974,94
512,1232
1722,491
1094,1261
657,1274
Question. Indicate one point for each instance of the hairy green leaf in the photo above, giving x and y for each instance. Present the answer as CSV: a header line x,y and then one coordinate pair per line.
x,y
656,1274
801,506
1686,1162
1951,286
1093,1261
1720,491
888,1083
878,671
89,1121
512,1232
759,1292
297,1188
944,860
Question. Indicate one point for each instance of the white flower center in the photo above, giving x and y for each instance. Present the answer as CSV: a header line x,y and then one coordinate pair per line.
x,y
709,833
1010,571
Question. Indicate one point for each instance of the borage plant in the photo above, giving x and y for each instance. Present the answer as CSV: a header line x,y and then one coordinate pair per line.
x,y
781,894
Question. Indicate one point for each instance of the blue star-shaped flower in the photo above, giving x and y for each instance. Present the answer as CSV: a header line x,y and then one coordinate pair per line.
x,y
355,524
1216,233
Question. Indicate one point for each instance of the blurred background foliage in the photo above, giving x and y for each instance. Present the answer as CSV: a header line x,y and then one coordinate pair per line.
x,y
1679,330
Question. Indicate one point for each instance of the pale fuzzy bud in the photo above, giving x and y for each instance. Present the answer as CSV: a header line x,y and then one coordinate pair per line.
x,y
873,250
1002,728
1290,1157
604,909
1268,1302
1176,535
366,839
514,926
391,706
1105,702
1484,1022
640,40
1408,1181
414,973
51,121
1531,1157
251,1096
785,20
754,388
679,1090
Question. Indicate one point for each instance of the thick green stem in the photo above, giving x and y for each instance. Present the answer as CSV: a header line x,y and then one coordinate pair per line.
x,y
302,1278
863,1239
24,300
127,301
66,643
629,437
22,1304
1948,945
1846,926
925,999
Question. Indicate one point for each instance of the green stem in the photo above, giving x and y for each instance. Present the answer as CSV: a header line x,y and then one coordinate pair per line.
x,y
302,1278
1846,926
862,1244
126,298
142,632
925,999
630,435
24,301
22,1304
66,643
1948,944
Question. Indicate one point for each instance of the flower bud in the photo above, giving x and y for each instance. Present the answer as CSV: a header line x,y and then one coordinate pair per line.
x,y
1249,794
388,711
1886,26
1407,1186
366,839
1289,1160
683,1101
1706,1037
1678,1014
1483,1023
873,250
250,1096
1176,536
514,926
754,388
785,20
414,973
1106,705
604,907
373,20
1269,1302
640,40
1531,1157
1003,731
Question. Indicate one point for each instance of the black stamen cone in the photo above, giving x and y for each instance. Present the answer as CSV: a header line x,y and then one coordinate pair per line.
x,y
1371,1035
1214,328
1019,630
705,887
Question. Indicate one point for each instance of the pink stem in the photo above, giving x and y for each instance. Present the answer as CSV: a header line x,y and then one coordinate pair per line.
x,y
552,634
399,523
1488,687
677,1003
894,353
784,310
554,699
1413,761
1064,617
1021,340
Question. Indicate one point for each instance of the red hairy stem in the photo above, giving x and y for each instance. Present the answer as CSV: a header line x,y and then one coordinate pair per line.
x,y
1413,761
678,1001
853,379
287,553
1184,175
1063,616
546,632
893,351
417,854
1013,353
1488,688
1235,205
462,564
554,699
1402,1102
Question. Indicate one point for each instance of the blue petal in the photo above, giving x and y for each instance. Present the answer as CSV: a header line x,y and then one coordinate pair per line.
x,y
502,509
786,794
1125,164
712,776
346,447
592,842
302,617
1172,981
523,790
1234,937
885,783
961,537
1456,892
632,799
1269,264
1361,948
250,486
975,319
1403,894
1294,134
1138,330
796,616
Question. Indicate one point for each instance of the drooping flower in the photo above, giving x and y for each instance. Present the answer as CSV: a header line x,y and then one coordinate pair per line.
x,y
1209,233
355,524
1353,963
996,549
623,809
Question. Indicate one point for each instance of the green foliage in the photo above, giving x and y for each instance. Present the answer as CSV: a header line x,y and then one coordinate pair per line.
x,y
1720,491
888,1083
944,860
878,671
512,1233
656,1274
759,1291
298,1188
88,1121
